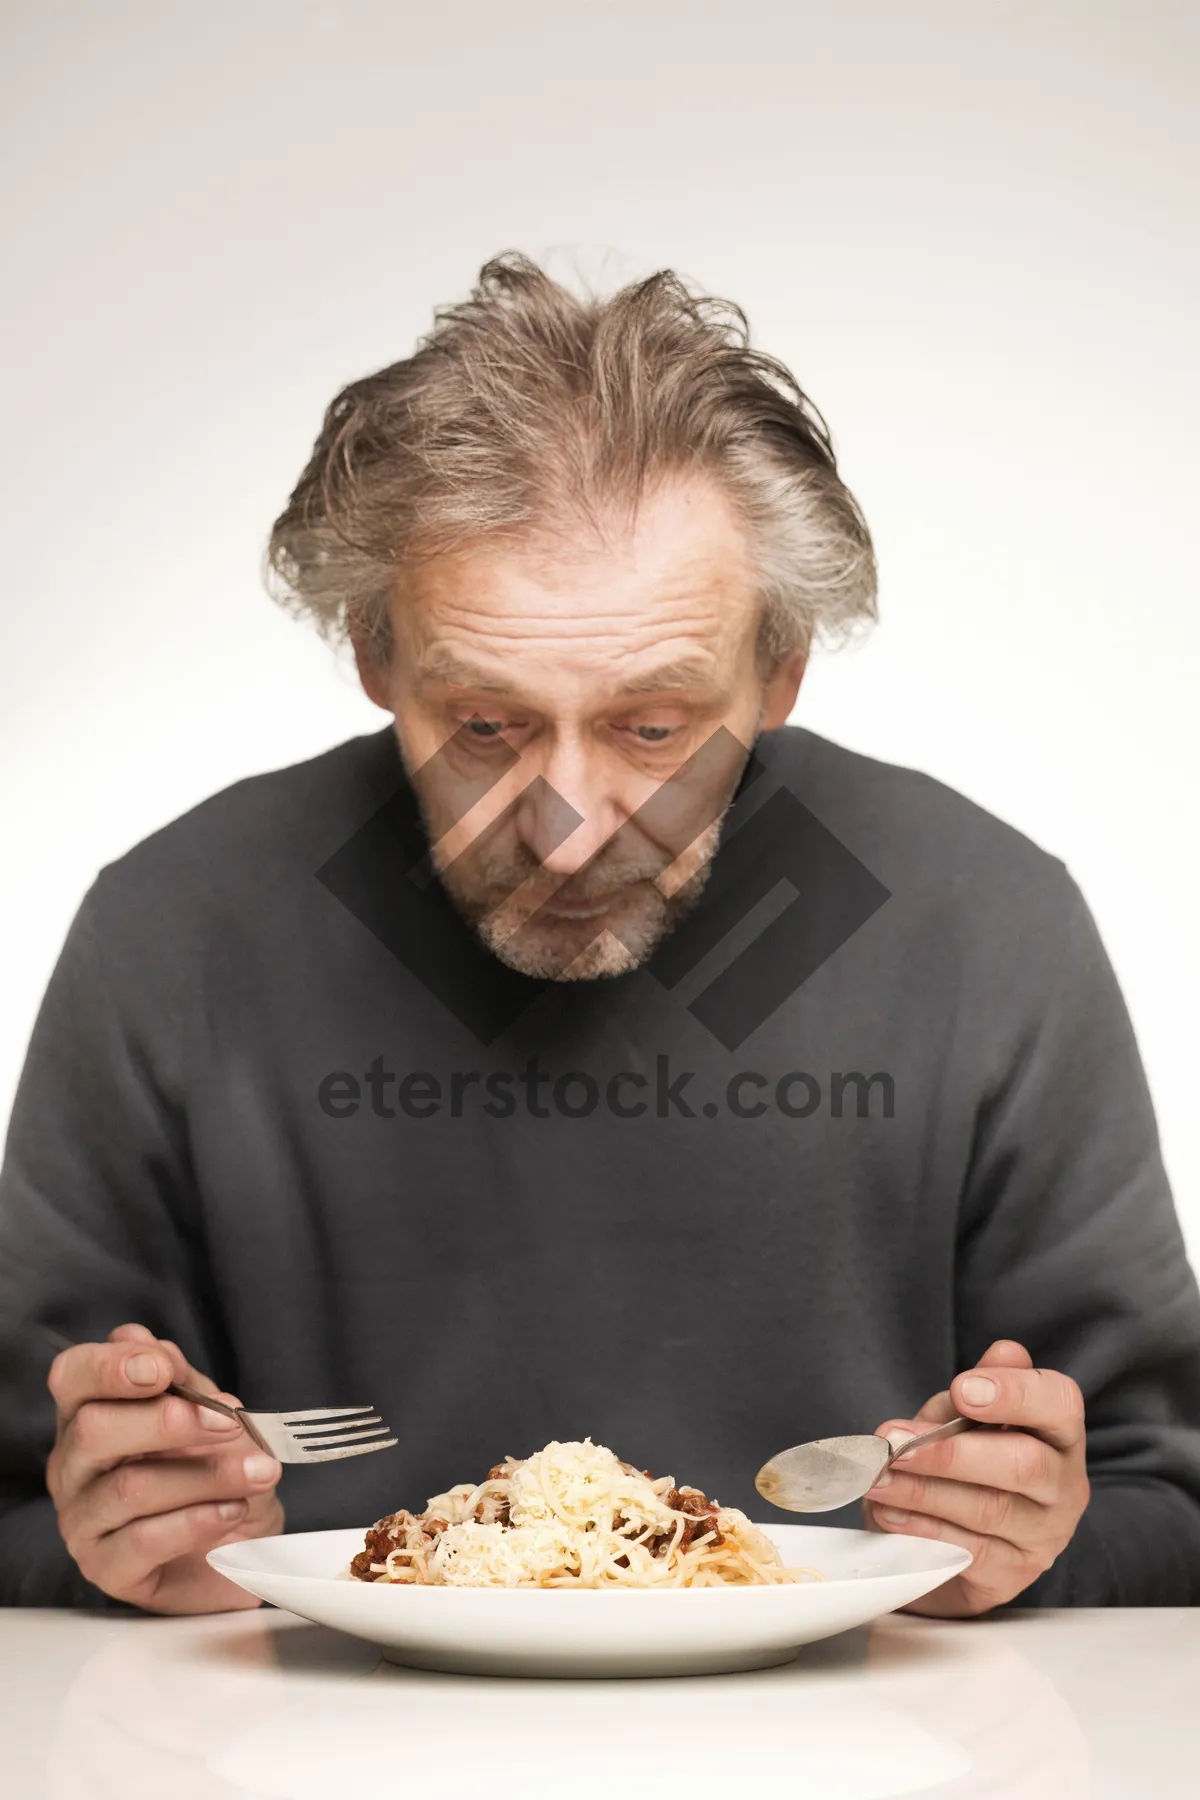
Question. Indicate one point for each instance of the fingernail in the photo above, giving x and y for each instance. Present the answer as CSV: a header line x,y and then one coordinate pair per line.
x,y
898,1439
214,1421
232,1509
883,1479
891,1515
260,1468
977,1390
141,1370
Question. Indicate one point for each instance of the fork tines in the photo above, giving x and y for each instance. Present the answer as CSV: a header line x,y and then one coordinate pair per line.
x,y
332,1431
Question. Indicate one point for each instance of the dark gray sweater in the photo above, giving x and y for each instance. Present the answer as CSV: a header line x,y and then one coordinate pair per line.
x,y
280,1106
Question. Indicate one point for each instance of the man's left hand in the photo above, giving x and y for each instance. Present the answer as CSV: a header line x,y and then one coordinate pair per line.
x,y
1013,1497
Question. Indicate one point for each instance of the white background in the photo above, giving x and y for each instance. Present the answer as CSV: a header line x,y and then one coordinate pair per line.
x,y
969,228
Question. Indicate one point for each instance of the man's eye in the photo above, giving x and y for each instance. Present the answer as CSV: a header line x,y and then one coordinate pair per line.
x,y
653,734
485,728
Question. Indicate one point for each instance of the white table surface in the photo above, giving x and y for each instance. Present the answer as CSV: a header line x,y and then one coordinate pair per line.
x,y
1035,1706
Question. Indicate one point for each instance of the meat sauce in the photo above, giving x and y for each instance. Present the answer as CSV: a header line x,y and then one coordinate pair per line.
x,y
393,1533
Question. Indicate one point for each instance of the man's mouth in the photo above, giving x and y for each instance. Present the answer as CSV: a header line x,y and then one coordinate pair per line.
x,y
576,909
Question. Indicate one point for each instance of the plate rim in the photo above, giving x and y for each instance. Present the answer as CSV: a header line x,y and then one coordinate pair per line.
x,y
958,1560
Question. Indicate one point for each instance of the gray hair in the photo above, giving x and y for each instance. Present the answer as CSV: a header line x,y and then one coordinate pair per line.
x,y
527,409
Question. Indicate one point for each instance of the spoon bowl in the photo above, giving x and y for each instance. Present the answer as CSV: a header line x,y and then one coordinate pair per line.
x,y
831,1472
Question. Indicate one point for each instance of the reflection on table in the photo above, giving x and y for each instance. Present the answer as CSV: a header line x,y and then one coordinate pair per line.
x,y
263,1705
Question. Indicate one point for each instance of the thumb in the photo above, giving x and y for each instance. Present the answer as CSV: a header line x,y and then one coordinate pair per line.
x,y
1005,1354
181,1368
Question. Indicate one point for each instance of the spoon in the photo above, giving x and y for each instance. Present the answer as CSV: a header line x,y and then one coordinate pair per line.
x,y
830,1472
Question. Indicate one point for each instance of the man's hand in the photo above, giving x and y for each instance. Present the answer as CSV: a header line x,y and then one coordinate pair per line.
x,y
145,1483
1011,1497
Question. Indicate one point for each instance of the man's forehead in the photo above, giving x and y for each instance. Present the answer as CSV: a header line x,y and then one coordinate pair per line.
x,y
685,541
443,662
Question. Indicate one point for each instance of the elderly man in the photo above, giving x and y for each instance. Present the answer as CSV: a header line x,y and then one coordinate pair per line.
x,y
589,1051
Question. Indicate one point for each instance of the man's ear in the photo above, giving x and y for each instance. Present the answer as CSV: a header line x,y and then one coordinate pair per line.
x,y
781,688
371,672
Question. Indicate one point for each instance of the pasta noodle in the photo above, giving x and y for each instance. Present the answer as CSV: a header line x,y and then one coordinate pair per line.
x,y
572,1515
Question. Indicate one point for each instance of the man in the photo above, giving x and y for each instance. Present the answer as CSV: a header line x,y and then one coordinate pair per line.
x,y
547,1064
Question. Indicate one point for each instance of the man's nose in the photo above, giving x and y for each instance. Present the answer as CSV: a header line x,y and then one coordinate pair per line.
x,y
567,814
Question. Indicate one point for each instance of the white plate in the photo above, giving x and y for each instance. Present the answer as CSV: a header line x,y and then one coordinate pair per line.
x,y
591,1632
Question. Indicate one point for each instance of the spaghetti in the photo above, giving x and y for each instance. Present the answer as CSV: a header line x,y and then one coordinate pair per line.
x,y
572,1515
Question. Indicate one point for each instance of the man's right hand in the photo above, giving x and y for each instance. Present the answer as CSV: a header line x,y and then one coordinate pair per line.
x,y
145,1484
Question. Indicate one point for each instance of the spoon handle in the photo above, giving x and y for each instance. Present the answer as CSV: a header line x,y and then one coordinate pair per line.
x,y
951,1429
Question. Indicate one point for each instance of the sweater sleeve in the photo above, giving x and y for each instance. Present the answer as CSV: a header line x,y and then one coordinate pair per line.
x,y
1071,1245
93,1233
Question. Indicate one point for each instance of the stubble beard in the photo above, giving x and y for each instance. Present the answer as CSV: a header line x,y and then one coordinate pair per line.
x,y
506,905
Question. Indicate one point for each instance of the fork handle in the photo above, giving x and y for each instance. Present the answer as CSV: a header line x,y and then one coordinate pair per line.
x,y
61,1342
238,1414
199,1399
177,1387
950,1429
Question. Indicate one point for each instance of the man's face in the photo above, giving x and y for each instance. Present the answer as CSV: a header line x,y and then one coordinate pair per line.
x,y
560,710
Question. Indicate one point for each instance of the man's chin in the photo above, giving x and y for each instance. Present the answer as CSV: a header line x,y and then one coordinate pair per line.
x,y
566,950
556,947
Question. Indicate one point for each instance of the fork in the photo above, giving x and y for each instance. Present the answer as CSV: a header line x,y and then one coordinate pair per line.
x,y
323,1434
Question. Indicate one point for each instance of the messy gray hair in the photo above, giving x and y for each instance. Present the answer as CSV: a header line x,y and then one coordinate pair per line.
x,y
526,409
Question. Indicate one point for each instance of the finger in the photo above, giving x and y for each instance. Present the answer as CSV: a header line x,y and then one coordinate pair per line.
x,y
1006,1353
128,1370
998,1570
105,1433
212,1428
1040,1400
1013,1460
135,1490
183,1369
990,1511
128,1564
899,1431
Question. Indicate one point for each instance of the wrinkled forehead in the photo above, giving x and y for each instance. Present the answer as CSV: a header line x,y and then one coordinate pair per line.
x,y
677,590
